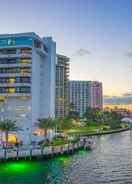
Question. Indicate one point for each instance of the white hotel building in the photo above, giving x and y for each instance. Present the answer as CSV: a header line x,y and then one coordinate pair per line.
x,y
27,80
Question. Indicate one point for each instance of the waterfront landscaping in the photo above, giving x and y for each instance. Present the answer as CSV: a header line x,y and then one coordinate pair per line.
x,y
67,130
97,121
66,134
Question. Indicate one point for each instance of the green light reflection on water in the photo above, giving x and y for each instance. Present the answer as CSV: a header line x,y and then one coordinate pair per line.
x,y
67,159
82,152
17,167
64,160
31,166
42,171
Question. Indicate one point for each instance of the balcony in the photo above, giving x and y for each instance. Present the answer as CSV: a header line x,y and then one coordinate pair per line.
x,y
16,52
15,94
15,55
15,90
15,69
15,74
15,84
15,65
15,80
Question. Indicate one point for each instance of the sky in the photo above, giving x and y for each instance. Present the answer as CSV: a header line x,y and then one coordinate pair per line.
x,y
95,34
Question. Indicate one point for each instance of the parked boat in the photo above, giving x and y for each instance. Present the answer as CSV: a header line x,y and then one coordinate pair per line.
x,y
88,143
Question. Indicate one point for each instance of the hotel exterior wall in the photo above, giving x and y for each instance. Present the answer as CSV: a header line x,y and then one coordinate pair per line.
x,y
49,78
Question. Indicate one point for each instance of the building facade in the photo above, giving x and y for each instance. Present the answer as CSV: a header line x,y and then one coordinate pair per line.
x,y
62,86
85,94
27,80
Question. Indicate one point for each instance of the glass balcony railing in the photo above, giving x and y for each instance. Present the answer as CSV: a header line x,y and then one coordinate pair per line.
x,y
12,90
15,80
9,61
15,70
12,52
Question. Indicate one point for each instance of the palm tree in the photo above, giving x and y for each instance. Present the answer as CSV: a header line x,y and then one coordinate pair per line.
x,y
93,115
7,126
65,124
55,125
45,124
115,120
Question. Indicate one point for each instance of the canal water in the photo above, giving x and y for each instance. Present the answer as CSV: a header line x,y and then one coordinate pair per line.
x,y
110,162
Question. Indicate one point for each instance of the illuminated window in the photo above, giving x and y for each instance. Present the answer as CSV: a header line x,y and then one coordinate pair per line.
x,y
2,98
12,138
39,132
25,70
24,98
26,51
16,70
26,60
12,90
11,80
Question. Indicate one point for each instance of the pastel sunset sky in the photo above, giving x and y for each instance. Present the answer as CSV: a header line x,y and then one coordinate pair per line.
x,y
95,34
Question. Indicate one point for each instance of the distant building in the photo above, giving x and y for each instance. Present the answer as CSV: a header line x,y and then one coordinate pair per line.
x,y
122,111
85,94
27,80
62,89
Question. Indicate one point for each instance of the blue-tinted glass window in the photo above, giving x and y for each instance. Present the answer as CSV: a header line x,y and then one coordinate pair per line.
x,y
24,41
16,41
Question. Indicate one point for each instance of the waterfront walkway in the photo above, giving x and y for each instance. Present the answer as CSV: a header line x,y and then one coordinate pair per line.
x,y
37,152
106,132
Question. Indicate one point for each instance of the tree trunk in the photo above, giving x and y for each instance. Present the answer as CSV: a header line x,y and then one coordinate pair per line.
x,y
45,131
6,138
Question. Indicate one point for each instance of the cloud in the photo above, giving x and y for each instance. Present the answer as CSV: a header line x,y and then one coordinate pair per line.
x,y
127,94
129,54
126,98
82,52
107,96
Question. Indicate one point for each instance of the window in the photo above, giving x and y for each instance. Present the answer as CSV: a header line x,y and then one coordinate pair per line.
x,y
3,42
25,70
11,42
37,44
12,90
11,80
16,70
25,51
25,60
15,80
8,51
15,89
16,41
24,90
24,41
